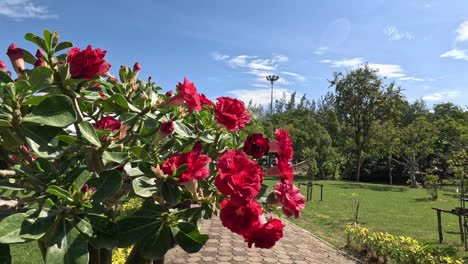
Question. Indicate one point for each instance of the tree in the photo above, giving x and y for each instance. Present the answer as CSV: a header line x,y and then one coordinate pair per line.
x,y
386,144
361,100
417,141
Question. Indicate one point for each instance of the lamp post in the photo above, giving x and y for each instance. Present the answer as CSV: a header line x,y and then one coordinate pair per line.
x,y
272,79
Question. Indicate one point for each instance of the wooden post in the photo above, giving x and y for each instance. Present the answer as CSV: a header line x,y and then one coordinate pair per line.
x,y
321,192
460,225
439,226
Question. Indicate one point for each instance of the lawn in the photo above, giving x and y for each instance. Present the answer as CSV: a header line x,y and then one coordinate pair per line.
x,y
395,209
398,210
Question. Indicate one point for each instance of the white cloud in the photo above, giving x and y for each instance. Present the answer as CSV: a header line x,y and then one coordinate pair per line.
x,y
347,63
384,70
388,70
462,31
259,68
393,33
441,96
456,54
21,9
262,96
298,76
321,50
411,78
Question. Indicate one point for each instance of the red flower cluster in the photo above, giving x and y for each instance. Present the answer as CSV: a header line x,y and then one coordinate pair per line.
x,y
196,166
231,113
87,63
188,95
290,197
256,145
238,175
241,179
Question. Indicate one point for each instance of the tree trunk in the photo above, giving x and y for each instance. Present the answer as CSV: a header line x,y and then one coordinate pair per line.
x,y
136,257
413,173
390,168
359,162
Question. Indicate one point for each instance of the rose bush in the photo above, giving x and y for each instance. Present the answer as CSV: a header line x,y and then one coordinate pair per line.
x,y
79,143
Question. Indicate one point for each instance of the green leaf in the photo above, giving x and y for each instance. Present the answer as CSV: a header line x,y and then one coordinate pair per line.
x,y
35,228
42,140
158,243
134,228
10,229
83,175
47,39
63,45
34,100
68,246
55,111
182,130
118,157
28,57
36,40
69,139
5,185
59,192
41,77
54,39
4,123
188,237
108,183
5,256
89,133
5,78
144,186
85,227
171,192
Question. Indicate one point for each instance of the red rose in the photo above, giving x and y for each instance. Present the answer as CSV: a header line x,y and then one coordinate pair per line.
x,y
108,122
240,219
282,144
290,197
196,166
188,94
238,175
2,66
87,63
205,101
267,235
16,57
231,113
283,169
256,145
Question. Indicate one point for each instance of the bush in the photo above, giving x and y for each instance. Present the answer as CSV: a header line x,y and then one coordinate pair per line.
x,y
382,246
431,184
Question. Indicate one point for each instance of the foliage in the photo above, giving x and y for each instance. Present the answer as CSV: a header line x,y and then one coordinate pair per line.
x,y
401,249
77,142
361,100
431,184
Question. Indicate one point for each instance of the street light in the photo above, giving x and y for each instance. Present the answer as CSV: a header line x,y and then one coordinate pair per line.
x,y
272,79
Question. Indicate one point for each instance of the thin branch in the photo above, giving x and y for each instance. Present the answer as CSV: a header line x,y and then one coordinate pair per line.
x,y
9,173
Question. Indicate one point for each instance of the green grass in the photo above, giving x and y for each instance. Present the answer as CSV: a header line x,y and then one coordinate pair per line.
x,y
394,209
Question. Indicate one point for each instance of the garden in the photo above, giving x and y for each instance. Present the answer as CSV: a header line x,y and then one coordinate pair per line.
x,y
95,166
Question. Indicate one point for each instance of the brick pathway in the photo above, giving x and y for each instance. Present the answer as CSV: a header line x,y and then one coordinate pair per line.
x,y
224,247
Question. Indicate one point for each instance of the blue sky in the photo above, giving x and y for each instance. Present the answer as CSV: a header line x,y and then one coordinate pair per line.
x,y
228,47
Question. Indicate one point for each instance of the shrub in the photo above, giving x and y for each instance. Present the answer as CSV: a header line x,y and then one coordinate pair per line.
x,y
382,246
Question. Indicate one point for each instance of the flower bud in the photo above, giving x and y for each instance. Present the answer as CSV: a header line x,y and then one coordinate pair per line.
x,y
169,93
85,188
39,62
40,54
136,68
16,56
165,129
2,66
